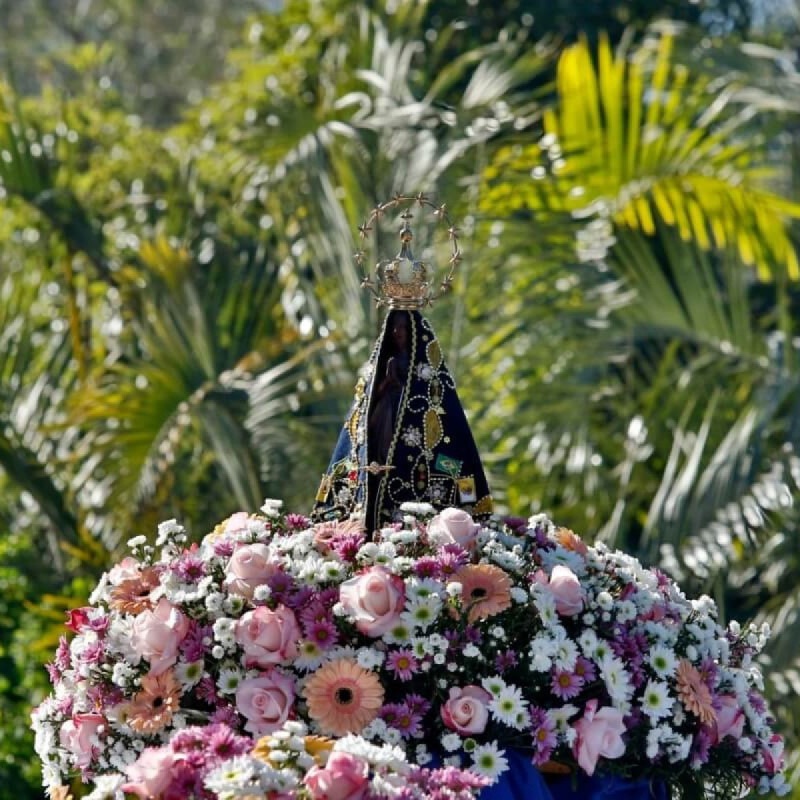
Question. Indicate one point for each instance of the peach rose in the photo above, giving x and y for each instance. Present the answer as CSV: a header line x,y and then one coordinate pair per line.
x,y
344,777
467,710
249,567
268,637
157,634
375,598
599,734
265,701
453,525
730,719
565,587
151,773
76,736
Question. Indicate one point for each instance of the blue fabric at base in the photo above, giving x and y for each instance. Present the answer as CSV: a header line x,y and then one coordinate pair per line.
x,y
606,787
522,781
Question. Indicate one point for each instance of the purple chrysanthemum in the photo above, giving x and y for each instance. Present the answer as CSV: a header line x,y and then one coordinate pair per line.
x,y
585,669
566,684
193,647
505,661
323,633
543,735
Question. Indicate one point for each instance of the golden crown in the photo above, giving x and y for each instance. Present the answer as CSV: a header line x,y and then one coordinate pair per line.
x,y
403,281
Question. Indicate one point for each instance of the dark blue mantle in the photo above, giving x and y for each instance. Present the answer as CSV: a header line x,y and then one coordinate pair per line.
x,y
522,781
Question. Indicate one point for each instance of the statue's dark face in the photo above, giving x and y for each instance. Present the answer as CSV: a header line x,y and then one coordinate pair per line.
x,y
400,333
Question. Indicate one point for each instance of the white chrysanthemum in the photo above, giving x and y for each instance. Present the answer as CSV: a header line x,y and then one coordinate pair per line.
x,y
518,595
370,658
545,604
272,507
510,708
122,674
489,760
656,700
418,509
663,661
451,742
422,756
107,787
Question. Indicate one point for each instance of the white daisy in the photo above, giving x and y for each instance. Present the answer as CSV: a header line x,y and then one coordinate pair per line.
x,y
229,680
656,701
310,655
400,633
488,760
423,611
421,588
616,678
662,660
494,685
510,708
188,674
566,655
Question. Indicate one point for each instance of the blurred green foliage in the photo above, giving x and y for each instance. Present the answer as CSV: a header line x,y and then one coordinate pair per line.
x,y
181,321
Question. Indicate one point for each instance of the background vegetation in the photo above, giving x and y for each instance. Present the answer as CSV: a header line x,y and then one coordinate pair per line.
x,y
181,321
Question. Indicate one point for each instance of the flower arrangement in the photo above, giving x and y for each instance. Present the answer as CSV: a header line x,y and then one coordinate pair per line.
x,y
436,641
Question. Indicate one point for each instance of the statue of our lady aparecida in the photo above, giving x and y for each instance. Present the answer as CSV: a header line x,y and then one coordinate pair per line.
x,y
406,440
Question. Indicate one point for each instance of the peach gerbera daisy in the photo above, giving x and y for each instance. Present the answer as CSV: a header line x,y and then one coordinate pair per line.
x,y
485,590
693,693
152,708
343,697
132,596
571,541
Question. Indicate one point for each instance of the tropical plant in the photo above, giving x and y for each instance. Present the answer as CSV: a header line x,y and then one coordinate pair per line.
x,y
655,391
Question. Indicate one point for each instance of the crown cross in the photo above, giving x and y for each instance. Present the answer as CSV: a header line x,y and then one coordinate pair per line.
x,y
404,282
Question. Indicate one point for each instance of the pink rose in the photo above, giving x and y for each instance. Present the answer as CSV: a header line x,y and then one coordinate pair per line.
x,y
76,736
249,567
268,637
151,773
266,701
730,719
565,587
375,598
157,634
599,734
237,523
453,525
127,569
467,710
344,777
